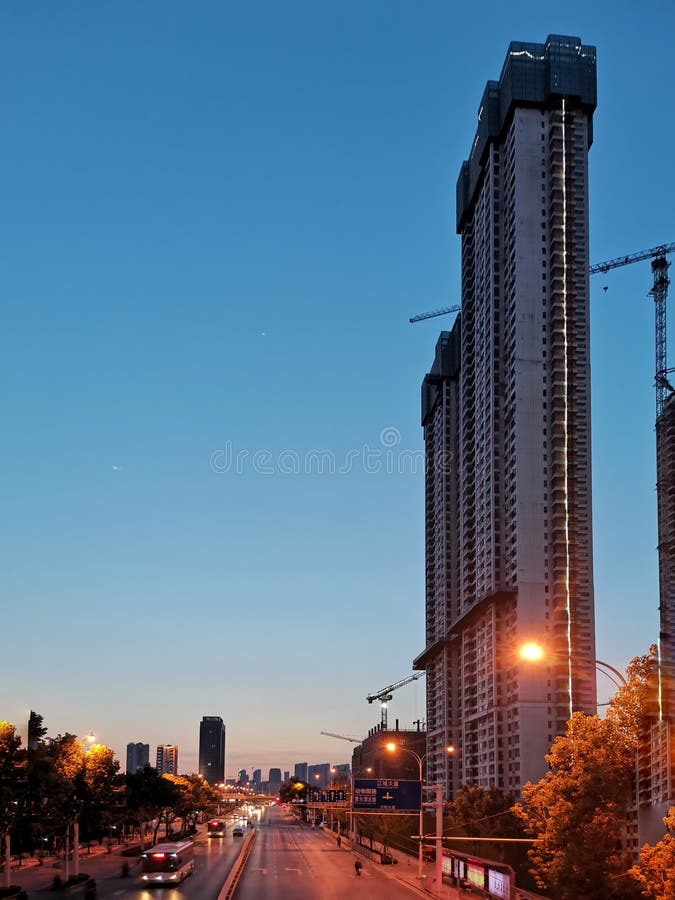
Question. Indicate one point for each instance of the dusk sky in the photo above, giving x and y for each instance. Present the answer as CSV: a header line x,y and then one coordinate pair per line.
x,y
217,218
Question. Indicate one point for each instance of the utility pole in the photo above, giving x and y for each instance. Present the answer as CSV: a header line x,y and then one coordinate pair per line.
x,y
437,805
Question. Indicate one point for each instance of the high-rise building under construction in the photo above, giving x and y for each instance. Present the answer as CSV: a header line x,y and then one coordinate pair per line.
x,y
506,418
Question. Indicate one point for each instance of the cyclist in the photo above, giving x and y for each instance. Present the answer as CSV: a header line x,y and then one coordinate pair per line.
x,y
358,866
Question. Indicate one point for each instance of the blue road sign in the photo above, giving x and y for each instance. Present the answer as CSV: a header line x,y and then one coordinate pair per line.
x,y
386,795
329,796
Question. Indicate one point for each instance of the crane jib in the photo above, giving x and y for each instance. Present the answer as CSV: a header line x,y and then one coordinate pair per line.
x,y
653,253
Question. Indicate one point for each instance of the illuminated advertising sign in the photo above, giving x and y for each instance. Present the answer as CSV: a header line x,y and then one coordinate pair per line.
x,y
475,873
499,884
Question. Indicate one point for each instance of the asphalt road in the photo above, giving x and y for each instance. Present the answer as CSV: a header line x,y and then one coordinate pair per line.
x,y
291,861
213,859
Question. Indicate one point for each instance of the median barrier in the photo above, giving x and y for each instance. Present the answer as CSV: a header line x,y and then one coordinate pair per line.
x,y
237,870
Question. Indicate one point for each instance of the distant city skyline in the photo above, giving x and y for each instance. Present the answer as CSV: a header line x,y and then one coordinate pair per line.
x,y
191,269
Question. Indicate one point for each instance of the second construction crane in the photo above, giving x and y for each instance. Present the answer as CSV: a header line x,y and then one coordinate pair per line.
x,y
384,696
659,293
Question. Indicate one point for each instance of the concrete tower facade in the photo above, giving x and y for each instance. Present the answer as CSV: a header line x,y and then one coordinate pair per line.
x,y
506,417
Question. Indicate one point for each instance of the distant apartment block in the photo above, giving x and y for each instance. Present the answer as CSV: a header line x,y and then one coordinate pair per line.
x,y
319,775
341,773
301,771
167,759
138,756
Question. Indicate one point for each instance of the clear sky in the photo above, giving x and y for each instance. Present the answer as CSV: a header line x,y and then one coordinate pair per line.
x,y
216,220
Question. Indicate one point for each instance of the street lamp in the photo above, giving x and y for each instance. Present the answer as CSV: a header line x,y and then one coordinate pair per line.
x,y
88,742
392,747
534,652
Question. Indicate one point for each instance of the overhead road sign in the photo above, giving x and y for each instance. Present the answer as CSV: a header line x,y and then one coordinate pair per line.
x,y
386,795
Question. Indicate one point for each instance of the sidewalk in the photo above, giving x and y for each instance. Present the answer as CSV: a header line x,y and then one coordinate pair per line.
x,y
405,871
36,878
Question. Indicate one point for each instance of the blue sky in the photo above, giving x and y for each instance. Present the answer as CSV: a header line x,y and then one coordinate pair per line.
x,y
217,219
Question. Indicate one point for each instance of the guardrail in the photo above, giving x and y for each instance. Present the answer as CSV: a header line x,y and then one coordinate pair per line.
x,y
237,870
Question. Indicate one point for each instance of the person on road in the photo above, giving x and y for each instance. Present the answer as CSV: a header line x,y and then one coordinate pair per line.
x,y
339,841
358,867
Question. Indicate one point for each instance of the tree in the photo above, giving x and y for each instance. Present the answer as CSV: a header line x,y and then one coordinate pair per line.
x,y
194,796
149,796
100,788
297,793
11,757
656,872
633,700
577,812
481,812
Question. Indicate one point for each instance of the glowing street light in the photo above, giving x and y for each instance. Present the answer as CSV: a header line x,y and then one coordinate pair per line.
x,y
531,651
534,652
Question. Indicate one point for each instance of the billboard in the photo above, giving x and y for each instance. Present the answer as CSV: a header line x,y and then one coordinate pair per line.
x,y
386,795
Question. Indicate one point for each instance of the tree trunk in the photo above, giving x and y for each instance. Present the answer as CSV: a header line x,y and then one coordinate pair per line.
x,y
7,875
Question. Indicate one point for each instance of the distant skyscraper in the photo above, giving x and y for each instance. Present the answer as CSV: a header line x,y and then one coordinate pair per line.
x,y
341,773
212,749
257,779
287,776
242,776
167,759
138,756
506,417
301,771
35,730
319,775
275,781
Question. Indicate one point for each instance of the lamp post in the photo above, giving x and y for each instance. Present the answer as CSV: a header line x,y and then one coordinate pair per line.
x,y
392,747
87,745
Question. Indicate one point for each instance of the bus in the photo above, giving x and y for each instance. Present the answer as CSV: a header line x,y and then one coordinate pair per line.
x,y
167,863
215,828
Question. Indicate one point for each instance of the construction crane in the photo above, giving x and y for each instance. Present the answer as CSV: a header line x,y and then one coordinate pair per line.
x,y
659,292
342,737
443,311
384,696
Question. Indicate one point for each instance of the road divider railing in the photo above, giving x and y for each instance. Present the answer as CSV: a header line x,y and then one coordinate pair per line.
x,y
237,870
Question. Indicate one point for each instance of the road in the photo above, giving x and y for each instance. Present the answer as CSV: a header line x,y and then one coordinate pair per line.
x,y
213,860
291,861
